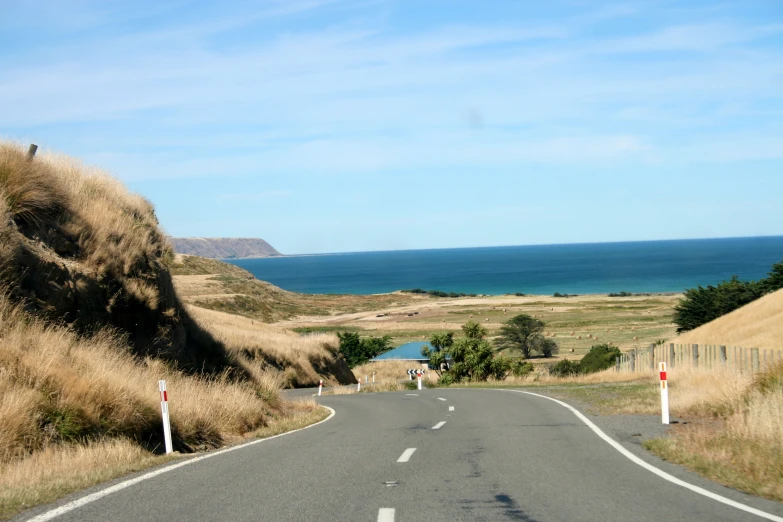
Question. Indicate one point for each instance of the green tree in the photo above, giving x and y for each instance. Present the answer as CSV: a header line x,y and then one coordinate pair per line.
x,y
564,368
523,333
356,350
474,330
547,347
600,357
701,305
440,344
774,280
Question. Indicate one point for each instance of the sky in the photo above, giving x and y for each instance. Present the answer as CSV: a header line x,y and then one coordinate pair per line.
x,y
357,125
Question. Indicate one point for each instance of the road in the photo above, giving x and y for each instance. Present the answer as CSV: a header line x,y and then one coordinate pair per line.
x,y
435,455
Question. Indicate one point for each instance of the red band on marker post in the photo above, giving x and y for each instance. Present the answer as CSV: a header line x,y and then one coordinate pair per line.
x,y
664,394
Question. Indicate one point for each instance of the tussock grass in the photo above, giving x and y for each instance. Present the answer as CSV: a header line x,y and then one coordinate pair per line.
x,y
58,470
59,387
743,447
271,353
75,411
31,190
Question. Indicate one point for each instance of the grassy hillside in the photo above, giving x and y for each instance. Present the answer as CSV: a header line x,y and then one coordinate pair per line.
x,y
90,322
758,324
223,287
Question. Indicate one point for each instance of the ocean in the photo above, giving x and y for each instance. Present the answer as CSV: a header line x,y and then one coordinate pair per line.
x,y
645,266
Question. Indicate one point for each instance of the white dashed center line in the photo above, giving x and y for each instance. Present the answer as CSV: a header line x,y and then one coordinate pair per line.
x,y
386,515
406,455
451,408
441,399
438,425
412,394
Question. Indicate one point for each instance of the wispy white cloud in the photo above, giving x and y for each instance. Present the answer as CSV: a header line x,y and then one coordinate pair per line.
x,y
359,97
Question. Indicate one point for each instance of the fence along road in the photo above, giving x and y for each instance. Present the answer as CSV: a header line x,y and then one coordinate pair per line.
x,y
705,356
499,456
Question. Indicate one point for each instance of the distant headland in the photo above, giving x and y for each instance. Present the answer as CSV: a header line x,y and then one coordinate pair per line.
x,y
223,247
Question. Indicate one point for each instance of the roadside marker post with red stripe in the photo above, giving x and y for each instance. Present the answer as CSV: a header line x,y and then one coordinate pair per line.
x,y
320,385
418,372
164,408
664,394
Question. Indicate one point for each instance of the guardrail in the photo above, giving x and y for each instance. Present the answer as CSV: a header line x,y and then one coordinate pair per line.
x,y
704,356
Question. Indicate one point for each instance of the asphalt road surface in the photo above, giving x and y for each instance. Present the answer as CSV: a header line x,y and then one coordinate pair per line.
x,y
435,455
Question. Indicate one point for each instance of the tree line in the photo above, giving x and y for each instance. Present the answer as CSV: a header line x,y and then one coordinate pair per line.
x,y
701,305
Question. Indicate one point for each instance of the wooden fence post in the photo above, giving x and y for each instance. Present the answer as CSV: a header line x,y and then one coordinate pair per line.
x,y
723,356
31,151
754,358
632,354
652,357
671,355
695,355
617,364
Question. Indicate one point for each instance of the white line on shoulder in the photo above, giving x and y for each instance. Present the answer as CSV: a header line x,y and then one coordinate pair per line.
x,y
439,425
666,476
386,515
79,502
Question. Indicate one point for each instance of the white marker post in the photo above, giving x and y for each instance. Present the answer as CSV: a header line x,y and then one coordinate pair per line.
x,y
164,408
365,380
320,385
359,385
664,394
418,372
373,377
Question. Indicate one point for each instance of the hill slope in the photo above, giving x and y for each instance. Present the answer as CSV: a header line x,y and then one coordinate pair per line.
x,y
758,324
90,321
223,247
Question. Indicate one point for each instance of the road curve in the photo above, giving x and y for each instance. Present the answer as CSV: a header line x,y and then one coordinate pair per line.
x,y
431,455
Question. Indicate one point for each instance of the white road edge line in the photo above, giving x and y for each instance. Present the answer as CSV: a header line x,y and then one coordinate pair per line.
x,y
451,408
79,502
439,425
412,394
386,515
649,467
441,399
406,455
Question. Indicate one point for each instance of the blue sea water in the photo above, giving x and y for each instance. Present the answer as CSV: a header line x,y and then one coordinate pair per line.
x,y
648,266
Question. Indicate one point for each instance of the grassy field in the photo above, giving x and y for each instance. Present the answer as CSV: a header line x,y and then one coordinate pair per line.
x,y
576,323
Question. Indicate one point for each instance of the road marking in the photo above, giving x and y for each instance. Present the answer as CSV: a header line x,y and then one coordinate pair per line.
x,y
386,515
438,425
451,408
79,502
441,399
412,394
406,455
649,467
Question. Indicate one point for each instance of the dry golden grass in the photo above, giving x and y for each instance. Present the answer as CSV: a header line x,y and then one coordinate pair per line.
x,y
758,324
59,387
60,469
31,190
743,446
300,360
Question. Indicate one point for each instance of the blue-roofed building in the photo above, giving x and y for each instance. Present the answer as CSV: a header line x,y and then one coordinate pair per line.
x,y
405,352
